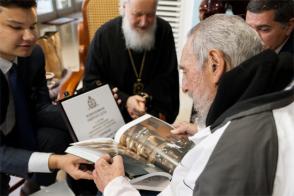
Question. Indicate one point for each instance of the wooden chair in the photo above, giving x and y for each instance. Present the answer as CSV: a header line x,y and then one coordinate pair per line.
x,y
50,42
95,13
15,186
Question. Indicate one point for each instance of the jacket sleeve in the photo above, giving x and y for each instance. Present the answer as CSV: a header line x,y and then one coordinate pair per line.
x,y
164,85
45,113
94,64
96,69
39,93
251,146
14,161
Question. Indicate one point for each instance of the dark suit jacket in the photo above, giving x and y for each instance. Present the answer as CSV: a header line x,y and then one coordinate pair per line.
x,y
289,45
13,158
3,97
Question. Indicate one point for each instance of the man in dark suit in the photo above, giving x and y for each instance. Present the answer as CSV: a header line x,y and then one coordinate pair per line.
x,y
274,22
30,125
3,97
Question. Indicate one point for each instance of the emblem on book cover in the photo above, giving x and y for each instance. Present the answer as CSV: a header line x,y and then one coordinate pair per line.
x,y
91,102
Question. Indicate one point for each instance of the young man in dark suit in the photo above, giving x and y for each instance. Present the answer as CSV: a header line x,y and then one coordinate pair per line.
x,y
30,125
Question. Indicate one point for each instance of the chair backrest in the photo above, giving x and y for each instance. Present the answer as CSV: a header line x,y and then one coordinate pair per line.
x,y
95,13
51,45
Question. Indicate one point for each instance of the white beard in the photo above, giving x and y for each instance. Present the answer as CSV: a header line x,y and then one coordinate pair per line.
x,y
138,41
202,103
202,112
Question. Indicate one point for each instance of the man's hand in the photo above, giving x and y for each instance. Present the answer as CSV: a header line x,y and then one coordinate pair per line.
x,y
70,164
184,128
115,95
136,106
107,169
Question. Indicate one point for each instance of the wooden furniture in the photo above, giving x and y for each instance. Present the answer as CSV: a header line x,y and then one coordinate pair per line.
x,y
15,186
95,13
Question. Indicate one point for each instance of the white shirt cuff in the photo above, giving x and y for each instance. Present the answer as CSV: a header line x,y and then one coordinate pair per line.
x,y
120,186
200,135
39,162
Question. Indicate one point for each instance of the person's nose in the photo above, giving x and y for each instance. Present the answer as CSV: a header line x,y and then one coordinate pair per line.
x,y
143,21
29,35
184,86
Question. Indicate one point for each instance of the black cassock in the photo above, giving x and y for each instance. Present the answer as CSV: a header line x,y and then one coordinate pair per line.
x,y
108,61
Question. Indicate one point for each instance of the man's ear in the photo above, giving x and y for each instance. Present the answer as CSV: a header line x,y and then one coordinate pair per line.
x,y
216,64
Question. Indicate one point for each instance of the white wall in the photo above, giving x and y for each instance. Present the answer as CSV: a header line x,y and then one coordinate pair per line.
x,y
189,17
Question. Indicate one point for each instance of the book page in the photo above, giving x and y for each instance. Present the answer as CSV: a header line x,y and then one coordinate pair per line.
x,y
150,138
92,149
156,181
94,141
87,153
93,114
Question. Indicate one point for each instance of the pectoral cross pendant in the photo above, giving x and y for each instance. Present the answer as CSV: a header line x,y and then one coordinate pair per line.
x,y
138,87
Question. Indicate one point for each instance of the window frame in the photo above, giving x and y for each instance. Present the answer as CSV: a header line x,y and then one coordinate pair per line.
x,y
56,13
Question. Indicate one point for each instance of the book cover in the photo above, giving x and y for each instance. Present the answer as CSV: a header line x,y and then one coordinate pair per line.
x,y
92,114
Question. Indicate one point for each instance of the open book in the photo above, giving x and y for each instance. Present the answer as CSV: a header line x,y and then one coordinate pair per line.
x,y
149,150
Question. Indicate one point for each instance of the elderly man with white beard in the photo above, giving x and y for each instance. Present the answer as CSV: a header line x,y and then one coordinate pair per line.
x,y
245,98
136,53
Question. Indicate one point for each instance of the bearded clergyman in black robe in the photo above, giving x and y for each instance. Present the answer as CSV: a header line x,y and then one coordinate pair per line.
x,y
136,53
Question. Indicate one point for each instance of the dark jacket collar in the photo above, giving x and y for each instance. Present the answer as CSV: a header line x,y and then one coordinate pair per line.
x,y
289,45
261,75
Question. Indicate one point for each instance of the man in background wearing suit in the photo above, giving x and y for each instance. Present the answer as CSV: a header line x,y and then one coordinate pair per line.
x,y
274,22
24,142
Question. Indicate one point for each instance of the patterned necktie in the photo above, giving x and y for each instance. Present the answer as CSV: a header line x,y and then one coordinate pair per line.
x,y
23,127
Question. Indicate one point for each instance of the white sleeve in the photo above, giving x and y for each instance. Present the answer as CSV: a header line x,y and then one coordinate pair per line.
x,y
200,135
120,186
38,162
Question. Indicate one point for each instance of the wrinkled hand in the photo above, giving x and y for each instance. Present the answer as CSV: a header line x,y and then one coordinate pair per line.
x,y
184,128
115,95
107,169
136,106
70,164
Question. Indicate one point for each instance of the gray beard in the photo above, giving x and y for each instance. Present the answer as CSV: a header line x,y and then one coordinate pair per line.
x,y
201,105
138,41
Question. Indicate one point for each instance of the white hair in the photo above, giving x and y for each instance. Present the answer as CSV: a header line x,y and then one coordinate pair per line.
x,y
122,4
228,33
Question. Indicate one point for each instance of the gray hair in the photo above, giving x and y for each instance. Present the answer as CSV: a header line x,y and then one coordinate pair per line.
x,y
227,33
122,4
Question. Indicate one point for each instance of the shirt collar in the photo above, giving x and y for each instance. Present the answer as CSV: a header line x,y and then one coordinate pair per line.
x,y
6,65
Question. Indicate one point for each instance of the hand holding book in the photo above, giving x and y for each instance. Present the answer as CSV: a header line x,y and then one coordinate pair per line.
x,y
107,169
184,128
146,145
